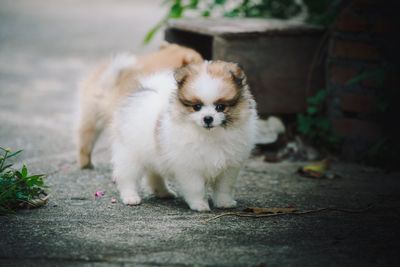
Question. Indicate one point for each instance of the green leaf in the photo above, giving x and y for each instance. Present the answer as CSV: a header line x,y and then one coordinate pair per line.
x,y
312,110
304,123
193,4
24,171
5,150
30,183
206,14
175,11
378,76
233,13
151,33
358,78
20,195
312,100
37,176
13,154
219,2
5,167
320,97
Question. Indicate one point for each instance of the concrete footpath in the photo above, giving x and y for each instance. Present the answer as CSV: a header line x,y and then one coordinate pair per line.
x,y
45,47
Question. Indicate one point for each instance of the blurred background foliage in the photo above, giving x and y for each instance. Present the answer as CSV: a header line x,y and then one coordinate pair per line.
x,y
321,12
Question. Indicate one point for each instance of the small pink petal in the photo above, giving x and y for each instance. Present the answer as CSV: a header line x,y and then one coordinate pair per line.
x,y
64,167
99,193
113,180
113,200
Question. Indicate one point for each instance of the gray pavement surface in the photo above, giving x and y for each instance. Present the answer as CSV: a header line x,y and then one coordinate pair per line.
x,y
45,47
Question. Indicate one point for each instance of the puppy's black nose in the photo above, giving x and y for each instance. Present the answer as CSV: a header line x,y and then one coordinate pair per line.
x,y
208,120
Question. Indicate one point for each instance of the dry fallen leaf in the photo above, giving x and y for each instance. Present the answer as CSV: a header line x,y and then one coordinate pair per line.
x,y
269,210
39,201
271,158
319,166
34,203
311,173
315,170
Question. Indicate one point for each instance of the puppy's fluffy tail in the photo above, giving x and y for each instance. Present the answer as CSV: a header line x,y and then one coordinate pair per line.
x,y
163,83
118,63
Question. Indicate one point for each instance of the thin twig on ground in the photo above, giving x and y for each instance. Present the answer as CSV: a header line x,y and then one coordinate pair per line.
x,y
284,213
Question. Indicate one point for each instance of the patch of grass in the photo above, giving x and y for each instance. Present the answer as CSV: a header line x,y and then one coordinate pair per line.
x,y
18,188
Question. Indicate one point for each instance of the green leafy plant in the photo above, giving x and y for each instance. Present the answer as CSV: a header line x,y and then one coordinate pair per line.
x,y
19,189
177,7
315,126
320,12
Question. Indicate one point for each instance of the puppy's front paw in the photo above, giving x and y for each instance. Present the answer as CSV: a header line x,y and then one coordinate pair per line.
x,y
225,203
131,200
199,206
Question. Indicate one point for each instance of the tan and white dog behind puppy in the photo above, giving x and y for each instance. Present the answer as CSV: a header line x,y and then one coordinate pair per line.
x,y
111,82
196,126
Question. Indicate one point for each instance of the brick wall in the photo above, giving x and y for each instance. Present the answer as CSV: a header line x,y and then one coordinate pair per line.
x,y
364,38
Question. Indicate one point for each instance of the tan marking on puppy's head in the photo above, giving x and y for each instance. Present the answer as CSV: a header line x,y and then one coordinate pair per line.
x,y
236,96
230,72
186,94
233,81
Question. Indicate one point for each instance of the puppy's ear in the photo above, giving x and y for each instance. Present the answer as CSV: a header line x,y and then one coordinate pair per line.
x,y
237,74
164,45
181,75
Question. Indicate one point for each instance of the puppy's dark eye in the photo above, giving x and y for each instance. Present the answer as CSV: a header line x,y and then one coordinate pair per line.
x,y
220,107
196,107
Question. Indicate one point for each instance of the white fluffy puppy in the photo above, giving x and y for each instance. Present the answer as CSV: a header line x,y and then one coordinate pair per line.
x,y
196,126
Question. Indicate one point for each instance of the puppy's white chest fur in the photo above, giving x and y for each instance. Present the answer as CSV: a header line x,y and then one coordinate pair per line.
x,y
195,149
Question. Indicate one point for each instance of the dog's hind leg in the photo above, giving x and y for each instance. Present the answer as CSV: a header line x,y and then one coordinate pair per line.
x,y
158,186
88,132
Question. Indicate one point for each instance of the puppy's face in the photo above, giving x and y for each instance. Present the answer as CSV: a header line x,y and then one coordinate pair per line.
x,y
210,94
